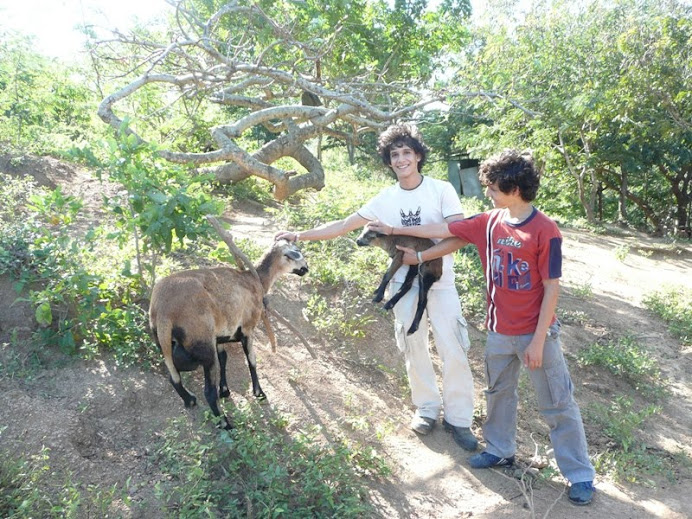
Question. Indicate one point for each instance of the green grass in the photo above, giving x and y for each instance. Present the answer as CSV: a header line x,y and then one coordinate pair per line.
x,y
628,359
674,306
583,291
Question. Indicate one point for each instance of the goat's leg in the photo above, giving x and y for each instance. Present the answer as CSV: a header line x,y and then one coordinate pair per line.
x,y
223,384
211,392
167,347
189,399
423,288
397,261
252,365
405,287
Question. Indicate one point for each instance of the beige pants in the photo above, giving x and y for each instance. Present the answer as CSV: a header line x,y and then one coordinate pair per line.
x,y
451,338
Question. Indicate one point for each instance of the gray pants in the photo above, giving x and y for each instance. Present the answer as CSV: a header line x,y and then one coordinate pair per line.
x,y
503,361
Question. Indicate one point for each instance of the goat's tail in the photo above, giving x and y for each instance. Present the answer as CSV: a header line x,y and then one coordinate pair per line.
x,y
163,335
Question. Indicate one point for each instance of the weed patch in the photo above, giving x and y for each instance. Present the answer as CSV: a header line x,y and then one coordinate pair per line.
x,y
259,468
628,458
30,488
628,359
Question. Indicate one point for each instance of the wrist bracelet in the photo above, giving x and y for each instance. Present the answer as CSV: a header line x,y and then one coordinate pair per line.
x,y
419,256
296,239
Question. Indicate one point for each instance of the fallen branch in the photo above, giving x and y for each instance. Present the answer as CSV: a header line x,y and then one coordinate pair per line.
x,y
294,330
241,260
243,263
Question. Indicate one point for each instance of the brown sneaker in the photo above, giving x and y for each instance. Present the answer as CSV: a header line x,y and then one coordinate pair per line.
x,y
463,436
422,424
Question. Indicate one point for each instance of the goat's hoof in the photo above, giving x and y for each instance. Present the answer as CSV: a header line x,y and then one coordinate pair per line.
x,y
260,395
224,392
191,402
388,306
412,330
377,298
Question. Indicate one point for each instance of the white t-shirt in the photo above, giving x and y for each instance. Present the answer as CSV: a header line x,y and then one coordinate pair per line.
x,y
431,202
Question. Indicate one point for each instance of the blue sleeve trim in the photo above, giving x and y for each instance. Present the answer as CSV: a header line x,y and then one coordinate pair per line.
x,y
555,258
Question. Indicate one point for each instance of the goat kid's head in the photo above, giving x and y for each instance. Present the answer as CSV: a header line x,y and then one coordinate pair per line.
x,y
291,258
369,237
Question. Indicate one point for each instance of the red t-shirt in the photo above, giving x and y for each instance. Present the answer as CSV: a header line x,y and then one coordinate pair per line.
x,y
516,259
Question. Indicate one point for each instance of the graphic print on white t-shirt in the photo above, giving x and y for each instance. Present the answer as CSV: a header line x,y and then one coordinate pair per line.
x,y
411,219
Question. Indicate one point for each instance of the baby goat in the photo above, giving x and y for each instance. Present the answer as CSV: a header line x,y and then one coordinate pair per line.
x,y
193,312
430,271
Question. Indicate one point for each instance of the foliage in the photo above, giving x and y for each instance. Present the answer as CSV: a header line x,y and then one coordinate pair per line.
x,y
162,202
261,79
77,308
583,291
627,358
28,488
597,92
259,466
339,318
674,305
621,252
42,106
470,282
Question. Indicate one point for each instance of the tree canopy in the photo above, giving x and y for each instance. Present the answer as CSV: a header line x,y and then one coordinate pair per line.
x,y
606,97
256,80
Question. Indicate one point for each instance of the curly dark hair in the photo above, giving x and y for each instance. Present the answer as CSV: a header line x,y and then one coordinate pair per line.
x,y
511,169
398,135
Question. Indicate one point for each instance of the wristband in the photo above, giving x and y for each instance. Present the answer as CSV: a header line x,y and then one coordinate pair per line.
x,y
419,256
296,239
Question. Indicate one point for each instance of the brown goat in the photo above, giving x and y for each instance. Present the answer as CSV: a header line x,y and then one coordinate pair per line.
x,y
428,272
192,313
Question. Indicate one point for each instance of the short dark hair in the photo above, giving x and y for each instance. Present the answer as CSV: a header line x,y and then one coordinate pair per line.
x,y
398,135
511,169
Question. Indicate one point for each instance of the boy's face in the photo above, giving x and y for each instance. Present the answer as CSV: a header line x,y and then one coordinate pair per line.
x,y
404,161
498,198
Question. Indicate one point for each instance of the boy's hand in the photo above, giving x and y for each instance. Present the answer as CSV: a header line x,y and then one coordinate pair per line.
x,y
533,354
380,227
285,235
409,255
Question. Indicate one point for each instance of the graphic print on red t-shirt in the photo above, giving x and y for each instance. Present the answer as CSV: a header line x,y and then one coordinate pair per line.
x,y
516,259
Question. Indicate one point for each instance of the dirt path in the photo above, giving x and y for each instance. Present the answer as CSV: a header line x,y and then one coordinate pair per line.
x,y
100,421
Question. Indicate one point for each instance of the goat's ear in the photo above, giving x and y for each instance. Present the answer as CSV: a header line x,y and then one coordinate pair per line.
x,y
294,254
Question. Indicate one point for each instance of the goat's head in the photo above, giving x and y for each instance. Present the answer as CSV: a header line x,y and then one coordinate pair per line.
x,y
292,260
369,237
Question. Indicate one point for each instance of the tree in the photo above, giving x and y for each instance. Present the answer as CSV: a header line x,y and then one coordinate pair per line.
x,y
41,106
607,99
356,65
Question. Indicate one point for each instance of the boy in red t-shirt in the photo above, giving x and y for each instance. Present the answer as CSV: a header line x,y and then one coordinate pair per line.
x,y
521,252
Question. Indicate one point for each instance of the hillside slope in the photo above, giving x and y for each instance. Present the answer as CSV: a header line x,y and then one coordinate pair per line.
x,y
100,421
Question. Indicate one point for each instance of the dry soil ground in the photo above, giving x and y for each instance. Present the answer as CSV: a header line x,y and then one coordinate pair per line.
x,y
100,421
